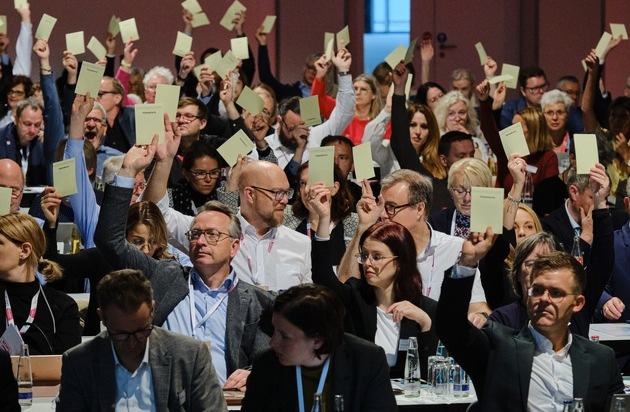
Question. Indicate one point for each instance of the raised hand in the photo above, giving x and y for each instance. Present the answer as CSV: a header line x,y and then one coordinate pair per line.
x,y
369,208
138,158
483,90
51,202
129,54
342,60
172,138
490,67
321,66
599,183
499,96
475,247
399,78
261,37
426,50
238,22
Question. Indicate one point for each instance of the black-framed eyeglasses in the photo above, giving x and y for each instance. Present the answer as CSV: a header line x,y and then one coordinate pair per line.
x,y
138,335
187,116
202,174
392,210
538,89
556,295
15,191
212,236
278,195
16,92
101,93
461,192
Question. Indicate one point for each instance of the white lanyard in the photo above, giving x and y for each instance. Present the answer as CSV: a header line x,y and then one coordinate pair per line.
x,y
320,386
191,293
194,208
31,312
256,274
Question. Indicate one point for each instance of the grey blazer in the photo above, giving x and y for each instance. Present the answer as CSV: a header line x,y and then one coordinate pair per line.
x,y
248,327
183,376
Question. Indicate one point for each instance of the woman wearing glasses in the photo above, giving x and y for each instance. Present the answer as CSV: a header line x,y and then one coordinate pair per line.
x,y
385,305
201,169
47,319
146,231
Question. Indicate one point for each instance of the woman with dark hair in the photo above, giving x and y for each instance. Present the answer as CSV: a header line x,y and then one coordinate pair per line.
x,y
201,169
146,231
303,218
19,88
429,94
47,319
310,354
385,305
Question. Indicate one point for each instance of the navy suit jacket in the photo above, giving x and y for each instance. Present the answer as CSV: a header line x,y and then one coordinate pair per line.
x,y
619,283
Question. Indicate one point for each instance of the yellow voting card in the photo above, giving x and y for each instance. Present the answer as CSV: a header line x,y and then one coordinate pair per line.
x,y
618,29
343,38
250,101
114,26
396,56
45,27
410,50
167,96
513,71
309,111
363,164
90,78
483,57
192,6
200,19
329,39
230,14
213,60
128,30
183,44
149,122
97,48
64,177
268,23
486,209
75,43
321,164
586,154
5,200
238,144
20,4
513,140
3,24
602,44
226,65
501,78
239,47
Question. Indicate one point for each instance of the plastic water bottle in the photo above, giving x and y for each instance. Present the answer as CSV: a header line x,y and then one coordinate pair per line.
x,y
527,195
25,378
567,405
441,350
461,383
412,370
339,406
576,252
578,405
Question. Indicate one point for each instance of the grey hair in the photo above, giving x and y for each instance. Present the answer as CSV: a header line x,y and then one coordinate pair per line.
x,y
158,71
574,179
449,99
419,187
100,108
555,96
32,102
216,206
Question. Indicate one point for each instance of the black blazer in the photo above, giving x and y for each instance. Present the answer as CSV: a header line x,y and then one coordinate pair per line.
x,y
558,224
361,309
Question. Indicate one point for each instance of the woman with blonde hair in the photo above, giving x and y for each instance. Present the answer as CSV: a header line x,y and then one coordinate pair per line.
x,y
47,319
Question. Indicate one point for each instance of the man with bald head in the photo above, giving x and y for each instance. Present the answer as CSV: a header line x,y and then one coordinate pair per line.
x,y
11,177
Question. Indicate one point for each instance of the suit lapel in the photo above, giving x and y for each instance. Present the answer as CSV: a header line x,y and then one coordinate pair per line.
x,y
106,390
238,300
524,358
160,362
580,365
342,381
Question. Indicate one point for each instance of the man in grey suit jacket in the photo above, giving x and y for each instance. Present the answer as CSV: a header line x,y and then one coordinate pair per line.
x,y
207,302
135,364
541,365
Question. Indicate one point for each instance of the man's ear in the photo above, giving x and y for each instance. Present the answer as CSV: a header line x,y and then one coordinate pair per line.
x,y
579,303
522,91
335,189
573,192
203,123
442,160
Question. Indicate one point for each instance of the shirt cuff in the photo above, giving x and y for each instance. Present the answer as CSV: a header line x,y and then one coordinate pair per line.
x,y
322,239
461,272
123,181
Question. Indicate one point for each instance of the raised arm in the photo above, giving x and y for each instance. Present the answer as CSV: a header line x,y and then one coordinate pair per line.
x,y
24,43
588,97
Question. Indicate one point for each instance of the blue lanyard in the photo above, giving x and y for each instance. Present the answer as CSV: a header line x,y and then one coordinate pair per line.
x,y
320,386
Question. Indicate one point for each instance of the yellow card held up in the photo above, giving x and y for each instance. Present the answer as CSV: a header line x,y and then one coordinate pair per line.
x,y
501,78
200,19
5,200
213,60
114,26
408,85
238,144
363,164
64,177
230,14
90,78
321,165
226,65
250,101
192,6
603,43
512,71
128,30
20,4
75,43
329,39
239,47
483,56
3,24
396,56
45,27
486,209
513,140
268,23
586,154
149,122
97,48
309,111
619,29
197,70
183,44
343,38
167,96
410,50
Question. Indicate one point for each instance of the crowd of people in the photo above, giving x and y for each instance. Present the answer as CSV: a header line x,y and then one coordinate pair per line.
x,y
299,288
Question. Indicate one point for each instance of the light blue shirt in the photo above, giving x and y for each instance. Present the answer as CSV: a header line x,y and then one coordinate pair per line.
x,y
214,327
134,389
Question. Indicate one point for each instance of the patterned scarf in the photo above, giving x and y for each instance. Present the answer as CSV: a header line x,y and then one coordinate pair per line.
x,y
462,225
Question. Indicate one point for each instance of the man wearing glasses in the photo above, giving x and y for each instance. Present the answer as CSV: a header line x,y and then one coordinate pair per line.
x,y
543,364
134,365
207,302
121,121
533,84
